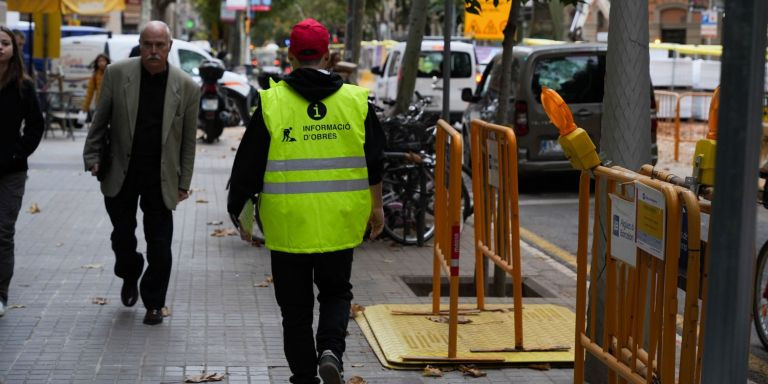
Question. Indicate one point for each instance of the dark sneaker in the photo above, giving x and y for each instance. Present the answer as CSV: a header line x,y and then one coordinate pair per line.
x,y
330,368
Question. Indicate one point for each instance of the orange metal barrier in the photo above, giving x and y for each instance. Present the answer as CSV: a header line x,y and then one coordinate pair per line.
x,y
631,355
447,223
497,217
666,104
697,100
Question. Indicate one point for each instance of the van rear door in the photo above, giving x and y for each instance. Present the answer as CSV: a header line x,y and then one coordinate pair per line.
x,y
579,78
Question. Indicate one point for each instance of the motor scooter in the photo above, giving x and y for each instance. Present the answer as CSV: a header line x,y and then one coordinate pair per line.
x,y
216,109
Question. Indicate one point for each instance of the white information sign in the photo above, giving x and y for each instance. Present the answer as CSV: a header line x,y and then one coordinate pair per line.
x,y
623,230
709,24
651,223
493,162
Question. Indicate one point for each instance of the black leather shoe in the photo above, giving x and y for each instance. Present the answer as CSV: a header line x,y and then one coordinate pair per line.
x,y
330,368
129,293
153,317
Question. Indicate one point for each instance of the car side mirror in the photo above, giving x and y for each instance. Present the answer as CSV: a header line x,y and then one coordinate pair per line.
x,y
466,95
377,71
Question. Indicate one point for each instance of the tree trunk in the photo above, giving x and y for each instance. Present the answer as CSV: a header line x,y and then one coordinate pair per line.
x,y
556,15
354,35
505,88
410,63
626,125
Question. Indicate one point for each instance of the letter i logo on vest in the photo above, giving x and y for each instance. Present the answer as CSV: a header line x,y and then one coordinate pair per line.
x,y
316,110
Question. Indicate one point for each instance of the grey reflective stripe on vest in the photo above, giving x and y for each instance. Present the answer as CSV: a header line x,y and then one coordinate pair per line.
x,y
316,186
315,164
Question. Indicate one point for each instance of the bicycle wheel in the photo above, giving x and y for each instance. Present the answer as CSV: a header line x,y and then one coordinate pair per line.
x,y
407,218
760,302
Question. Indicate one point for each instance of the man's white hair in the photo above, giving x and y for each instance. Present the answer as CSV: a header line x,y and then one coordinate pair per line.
x,y
156,22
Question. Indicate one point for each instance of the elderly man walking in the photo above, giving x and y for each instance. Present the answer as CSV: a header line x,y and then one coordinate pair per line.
x,y
144,130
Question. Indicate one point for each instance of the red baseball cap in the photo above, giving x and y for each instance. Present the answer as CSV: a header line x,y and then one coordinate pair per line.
x,y
309,40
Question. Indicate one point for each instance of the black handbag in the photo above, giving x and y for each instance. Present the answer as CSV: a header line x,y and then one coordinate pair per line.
x,y
105,156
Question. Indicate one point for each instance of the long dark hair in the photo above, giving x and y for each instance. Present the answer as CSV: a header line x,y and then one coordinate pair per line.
x,y
15,70
95,63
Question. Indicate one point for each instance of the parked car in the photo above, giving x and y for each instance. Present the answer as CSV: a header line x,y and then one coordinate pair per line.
x,y
575,71
79,51
429,78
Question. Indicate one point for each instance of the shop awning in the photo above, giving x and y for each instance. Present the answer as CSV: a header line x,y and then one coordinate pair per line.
x,y
82,7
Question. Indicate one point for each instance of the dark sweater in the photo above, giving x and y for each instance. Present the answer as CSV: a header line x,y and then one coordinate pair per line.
x,y
147,137
16,144
251,159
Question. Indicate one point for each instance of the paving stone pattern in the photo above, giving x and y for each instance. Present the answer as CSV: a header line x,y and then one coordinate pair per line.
x,y
220,321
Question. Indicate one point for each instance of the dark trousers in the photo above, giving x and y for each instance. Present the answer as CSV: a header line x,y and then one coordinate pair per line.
x,y
293,275
11,192
158,232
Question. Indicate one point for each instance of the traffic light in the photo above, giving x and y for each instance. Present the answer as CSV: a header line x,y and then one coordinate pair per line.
x,y
190,24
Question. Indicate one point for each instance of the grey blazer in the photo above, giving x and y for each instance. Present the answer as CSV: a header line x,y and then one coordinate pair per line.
x,y
117,108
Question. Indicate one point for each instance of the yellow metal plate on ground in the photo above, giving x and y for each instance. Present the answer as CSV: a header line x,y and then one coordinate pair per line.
x,y
398,338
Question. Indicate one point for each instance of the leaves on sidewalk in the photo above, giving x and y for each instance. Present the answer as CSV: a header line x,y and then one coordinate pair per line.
x,y
204,378
355,310
264,283
222,232
446,320
430,371
233,148
16,306
201,201
471,370
92,266
540,367
33,208
165,311
99,300
215,222
356,380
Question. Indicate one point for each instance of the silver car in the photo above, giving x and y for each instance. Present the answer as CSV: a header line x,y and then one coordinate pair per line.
x,y
575,71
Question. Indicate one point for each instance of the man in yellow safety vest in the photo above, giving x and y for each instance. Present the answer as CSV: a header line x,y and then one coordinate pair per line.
x,y
313,152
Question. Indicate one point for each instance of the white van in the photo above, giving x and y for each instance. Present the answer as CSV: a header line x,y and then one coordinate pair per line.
x,y
429,78
77,53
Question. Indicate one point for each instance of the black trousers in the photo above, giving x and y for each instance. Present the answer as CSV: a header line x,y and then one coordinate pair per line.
x,y
293,276
158,232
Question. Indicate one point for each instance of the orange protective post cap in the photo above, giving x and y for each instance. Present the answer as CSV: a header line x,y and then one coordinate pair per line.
x,y
557,111
714,109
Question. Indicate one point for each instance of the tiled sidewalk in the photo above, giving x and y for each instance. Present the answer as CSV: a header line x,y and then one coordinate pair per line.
x,y
220,321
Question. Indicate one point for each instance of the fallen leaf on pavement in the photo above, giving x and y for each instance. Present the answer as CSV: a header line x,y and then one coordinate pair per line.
x,y
355,310
264,283
33,208
98,300
16,306
357,365
221,232
233,148
92,266
165,311
469,370
540,367
356,380
201,201
204,378
215,222
430,371
444,319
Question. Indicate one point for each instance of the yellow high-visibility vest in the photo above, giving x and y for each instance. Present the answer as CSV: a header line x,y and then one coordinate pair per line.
x,y
316,196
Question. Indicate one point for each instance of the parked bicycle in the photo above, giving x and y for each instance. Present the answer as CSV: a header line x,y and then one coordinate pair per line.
x,y
760,302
